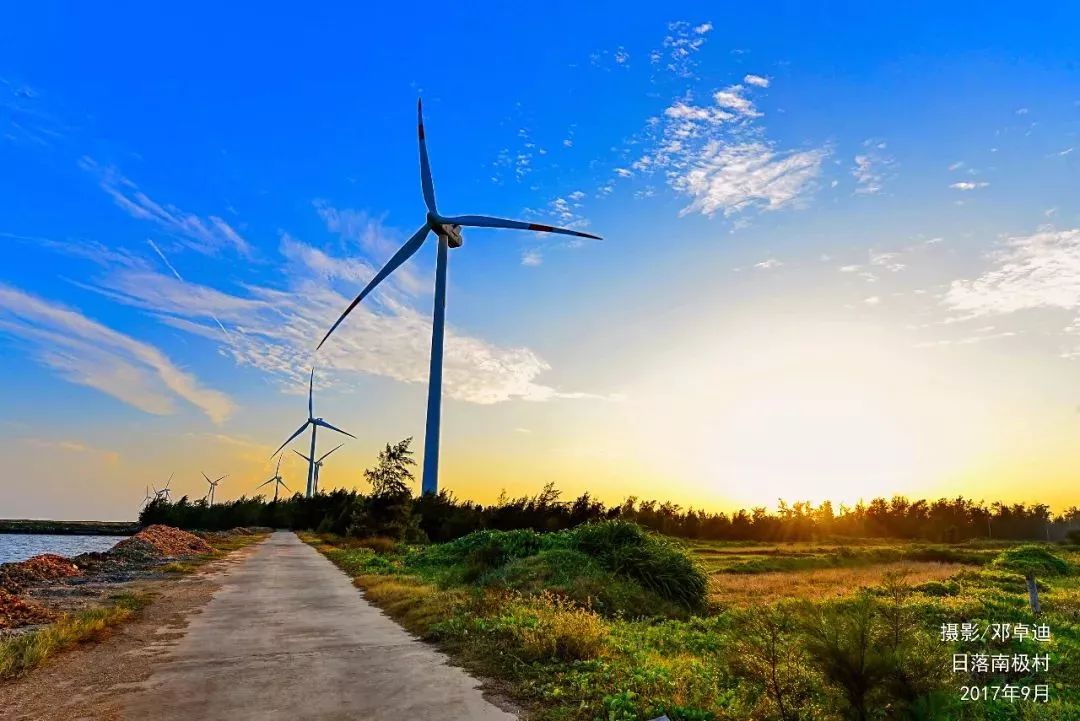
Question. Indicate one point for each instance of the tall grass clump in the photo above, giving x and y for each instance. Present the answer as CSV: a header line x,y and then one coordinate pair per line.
x,y
658,563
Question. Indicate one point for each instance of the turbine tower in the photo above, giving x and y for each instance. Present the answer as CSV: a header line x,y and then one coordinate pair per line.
x,y
213,487
276,480
314,423
448,231
318,464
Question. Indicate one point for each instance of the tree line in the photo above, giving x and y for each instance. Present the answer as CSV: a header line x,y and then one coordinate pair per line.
x,y
390,509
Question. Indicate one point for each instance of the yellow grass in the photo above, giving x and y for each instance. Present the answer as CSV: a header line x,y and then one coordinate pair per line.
x,y
23,652
818,583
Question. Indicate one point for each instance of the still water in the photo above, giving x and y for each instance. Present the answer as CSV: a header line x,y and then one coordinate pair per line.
x,y
20,546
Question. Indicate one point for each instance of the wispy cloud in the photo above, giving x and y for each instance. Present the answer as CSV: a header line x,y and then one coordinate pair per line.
x,y
966,185
871,168
757,80
716,154
680,46
275,329
73,446
86,352
209,236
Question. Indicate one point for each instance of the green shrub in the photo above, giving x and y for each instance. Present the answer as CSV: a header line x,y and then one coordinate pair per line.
x,y
938,588
658,563
579,578
1032,559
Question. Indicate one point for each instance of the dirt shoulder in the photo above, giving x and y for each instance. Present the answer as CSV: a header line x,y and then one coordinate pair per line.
x,y
91,680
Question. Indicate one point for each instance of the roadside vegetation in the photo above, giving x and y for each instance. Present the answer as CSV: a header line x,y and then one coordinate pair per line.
x,y
26,651
610,622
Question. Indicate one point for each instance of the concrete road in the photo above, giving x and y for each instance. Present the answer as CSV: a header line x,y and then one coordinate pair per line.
x,y
289,637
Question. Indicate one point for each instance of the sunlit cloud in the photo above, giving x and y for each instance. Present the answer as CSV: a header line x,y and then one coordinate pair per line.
x,y
276,329
88,353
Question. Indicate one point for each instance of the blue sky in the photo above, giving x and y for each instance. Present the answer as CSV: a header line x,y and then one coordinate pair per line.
x,y
772,182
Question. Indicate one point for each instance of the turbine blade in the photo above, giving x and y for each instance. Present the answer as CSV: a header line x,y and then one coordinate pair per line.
x,y
404,253
484,221
286,487
222,478
425,166
294,435
263,484
207,478
301,455
311,394
324,424
330,451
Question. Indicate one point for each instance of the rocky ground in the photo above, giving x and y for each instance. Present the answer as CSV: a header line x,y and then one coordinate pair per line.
x,y
36,591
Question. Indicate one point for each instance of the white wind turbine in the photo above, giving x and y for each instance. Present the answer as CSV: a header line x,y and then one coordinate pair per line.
x,y
164,492
448,230
318,464
213,487
277,480
314,423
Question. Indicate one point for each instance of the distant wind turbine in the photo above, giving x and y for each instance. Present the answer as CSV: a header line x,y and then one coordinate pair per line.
x,y
147,498
318,463
314,423
213,486
448,230
276,480
164,492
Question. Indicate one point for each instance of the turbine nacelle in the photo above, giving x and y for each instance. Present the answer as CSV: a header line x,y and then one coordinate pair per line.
x,y
445,229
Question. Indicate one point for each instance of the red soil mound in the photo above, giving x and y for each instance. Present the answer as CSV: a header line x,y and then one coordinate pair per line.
x,y
162,541
40,569
15,611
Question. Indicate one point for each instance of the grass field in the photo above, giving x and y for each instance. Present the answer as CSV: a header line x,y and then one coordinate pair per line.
x,y
595,626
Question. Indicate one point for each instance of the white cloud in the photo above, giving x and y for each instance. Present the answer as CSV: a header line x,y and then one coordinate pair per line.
x,y
532,258
967,185
679,48
872,300
768,264
871,167
86,352
275,329
887,260
1033,271
621,56
733,99
718,156
208,235
758,80
734,178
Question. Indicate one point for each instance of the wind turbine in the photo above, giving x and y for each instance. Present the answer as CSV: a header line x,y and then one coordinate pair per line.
x,y
213,486
318,464
276,480
164,492
147,498
448,230
314,423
